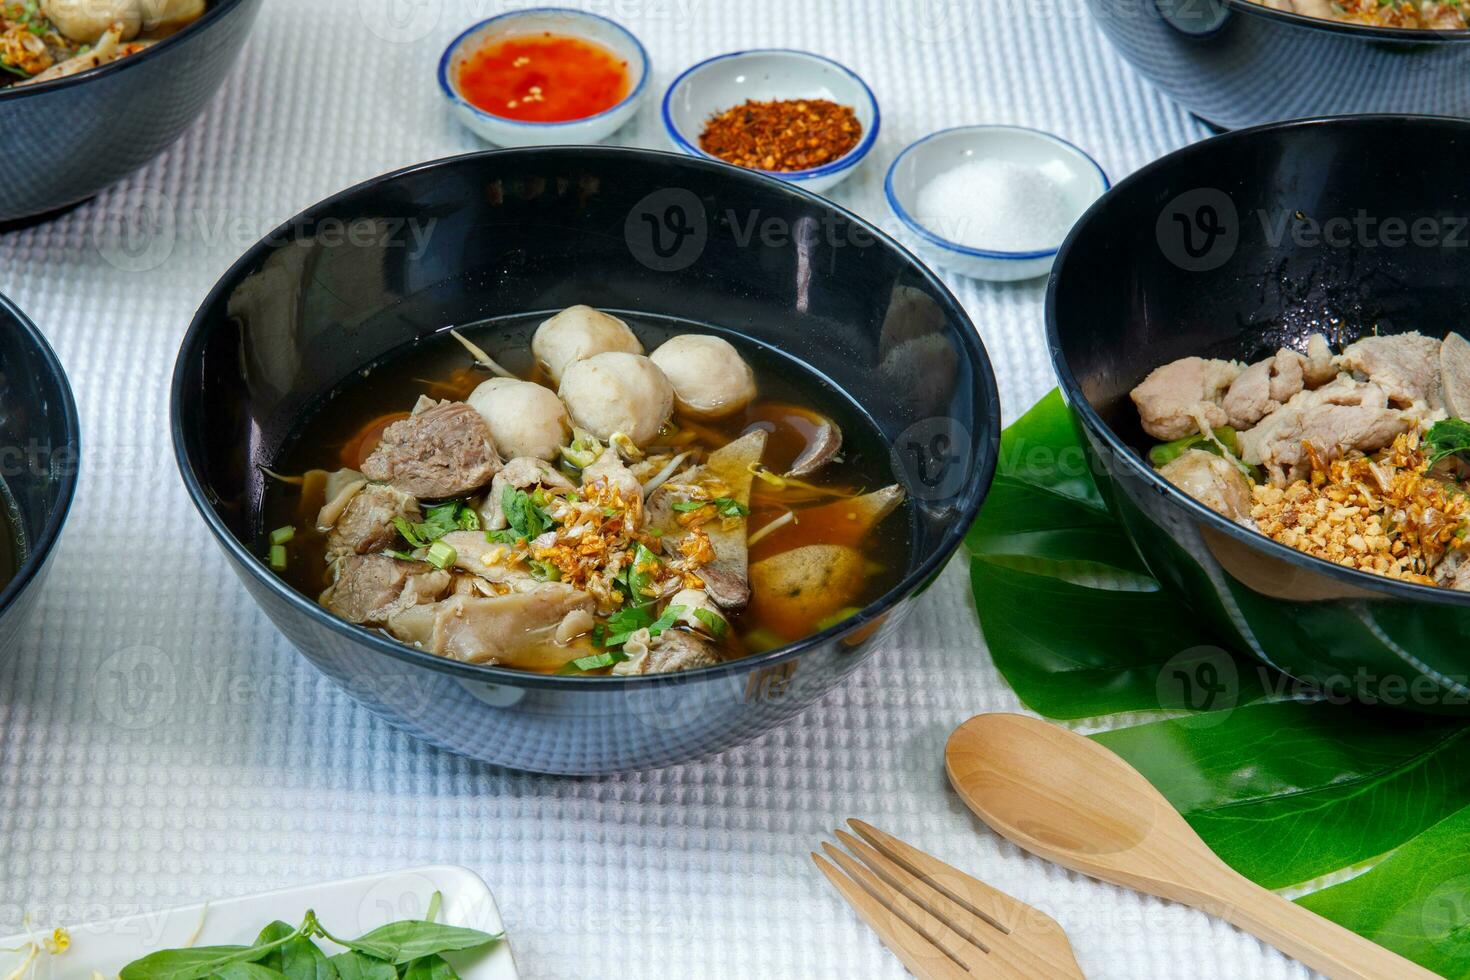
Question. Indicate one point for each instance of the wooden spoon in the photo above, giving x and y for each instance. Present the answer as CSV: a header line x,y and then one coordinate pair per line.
x,y
1065,798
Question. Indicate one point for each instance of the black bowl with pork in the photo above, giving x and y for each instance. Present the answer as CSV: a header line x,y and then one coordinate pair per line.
x,y
1233,248
1235,63
66,140
463,240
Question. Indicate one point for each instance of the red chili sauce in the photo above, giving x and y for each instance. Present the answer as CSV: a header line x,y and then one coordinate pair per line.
x,y
544,78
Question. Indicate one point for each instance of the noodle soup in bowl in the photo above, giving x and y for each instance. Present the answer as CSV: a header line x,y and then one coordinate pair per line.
x,y
549,538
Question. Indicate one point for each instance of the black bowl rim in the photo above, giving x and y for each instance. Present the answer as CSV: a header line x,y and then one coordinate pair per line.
x,y
1417,35
216,10
987,446
1079,404
39,550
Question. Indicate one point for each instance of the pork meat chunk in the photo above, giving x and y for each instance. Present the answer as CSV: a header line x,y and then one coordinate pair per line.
x,y
1454,375
516,629
366,523
443,450
670,651
1264,387
1406,366
1345,415
369,589
1212,480
1174,398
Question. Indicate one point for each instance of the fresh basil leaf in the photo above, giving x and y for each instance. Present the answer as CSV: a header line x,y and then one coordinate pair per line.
x,y
411,939
353,965
430,968
300,959
246,971
686,506
190,964
1414,901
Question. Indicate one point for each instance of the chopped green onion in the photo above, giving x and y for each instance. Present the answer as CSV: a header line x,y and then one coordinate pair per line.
x,y
544,571
841,615
685,506
595,661
283,535
401,555
712,621
441,555
278,557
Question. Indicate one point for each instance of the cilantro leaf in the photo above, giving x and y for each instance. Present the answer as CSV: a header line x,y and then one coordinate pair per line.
x,y
1448,437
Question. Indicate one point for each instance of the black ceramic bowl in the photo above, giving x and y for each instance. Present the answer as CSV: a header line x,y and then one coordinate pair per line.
x,y
1143,280
40,451
1235,63
67,139
516,231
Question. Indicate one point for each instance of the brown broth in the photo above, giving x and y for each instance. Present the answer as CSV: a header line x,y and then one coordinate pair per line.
x,y
347,427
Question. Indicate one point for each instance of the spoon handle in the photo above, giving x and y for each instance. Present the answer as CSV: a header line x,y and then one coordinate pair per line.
x,y
1304,935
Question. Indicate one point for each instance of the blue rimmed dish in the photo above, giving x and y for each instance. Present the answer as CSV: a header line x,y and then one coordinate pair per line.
x,y
716,84
1078,178
503,131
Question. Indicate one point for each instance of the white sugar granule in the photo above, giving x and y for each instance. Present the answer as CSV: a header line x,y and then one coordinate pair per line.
x,y
996,205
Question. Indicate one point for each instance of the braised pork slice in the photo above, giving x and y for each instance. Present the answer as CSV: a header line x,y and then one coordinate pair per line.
x,y
369,589
366,523
516,629
443,450
1347,414
1454,375
1212,480
1264,387
1176,398
1406,366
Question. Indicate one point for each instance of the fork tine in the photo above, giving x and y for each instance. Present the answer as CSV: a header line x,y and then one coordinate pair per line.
x,y
905,942
991,904
957,946
958,916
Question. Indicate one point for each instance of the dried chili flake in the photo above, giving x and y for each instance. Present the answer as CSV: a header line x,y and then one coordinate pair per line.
x,y
782,135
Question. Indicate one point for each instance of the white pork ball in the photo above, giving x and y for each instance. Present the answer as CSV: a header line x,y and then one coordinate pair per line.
x,y
618,392
709,376
579,332
525,419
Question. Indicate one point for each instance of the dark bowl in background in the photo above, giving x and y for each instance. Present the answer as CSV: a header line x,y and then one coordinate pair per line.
x,y
1128,294
520,231
68,139
40,452
1234,63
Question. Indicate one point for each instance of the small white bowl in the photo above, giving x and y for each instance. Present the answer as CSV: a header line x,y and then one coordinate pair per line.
x,y
556,20
728,80
1076,174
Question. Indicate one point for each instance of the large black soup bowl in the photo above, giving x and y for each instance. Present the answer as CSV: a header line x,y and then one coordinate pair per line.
x,y
1235,63
1233,247
67,139
40,451
507,233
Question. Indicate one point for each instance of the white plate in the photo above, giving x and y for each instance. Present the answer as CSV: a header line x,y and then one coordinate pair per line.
x,y
346,908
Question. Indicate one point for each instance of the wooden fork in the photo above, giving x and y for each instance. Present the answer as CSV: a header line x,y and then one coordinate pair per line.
x,y
943,924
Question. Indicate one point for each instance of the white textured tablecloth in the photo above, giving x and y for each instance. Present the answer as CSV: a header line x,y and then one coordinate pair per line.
x,y
161,743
